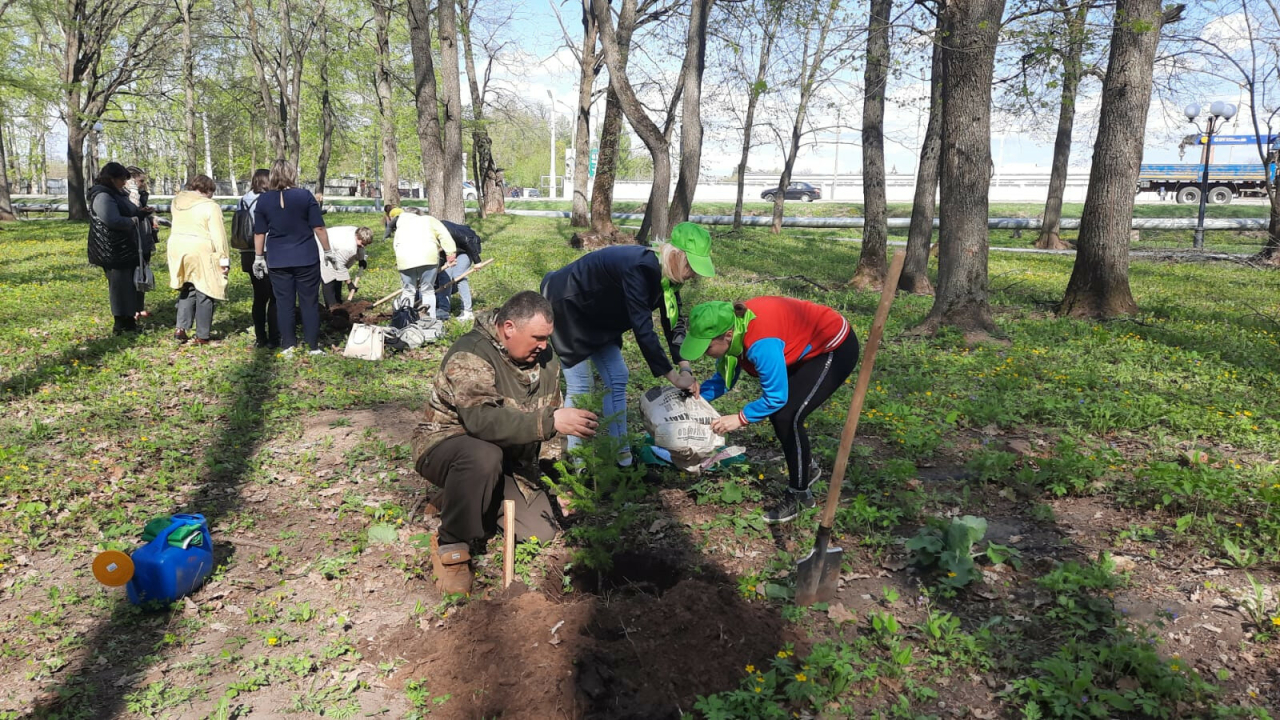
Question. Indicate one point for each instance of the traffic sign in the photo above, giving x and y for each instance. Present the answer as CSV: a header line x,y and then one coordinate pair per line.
x,y
591,170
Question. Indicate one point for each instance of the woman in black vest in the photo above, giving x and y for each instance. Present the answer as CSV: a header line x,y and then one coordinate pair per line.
x,y
113,243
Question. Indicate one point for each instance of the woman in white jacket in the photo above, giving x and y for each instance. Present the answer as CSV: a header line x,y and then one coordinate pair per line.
x,y
419,241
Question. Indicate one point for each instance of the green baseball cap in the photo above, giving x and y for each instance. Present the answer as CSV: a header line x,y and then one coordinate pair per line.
x,y
707,321
695,241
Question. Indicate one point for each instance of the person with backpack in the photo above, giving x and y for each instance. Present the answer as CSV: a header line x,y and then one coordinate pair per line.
x,y
603,294
468,243
265,325
199,259
420,240
286,225
114,245
800,351
148,228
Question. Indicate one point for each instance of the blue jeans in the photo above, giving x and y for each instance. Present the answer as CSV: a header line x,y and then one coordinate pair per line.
x,y
419,284
463,286
578,380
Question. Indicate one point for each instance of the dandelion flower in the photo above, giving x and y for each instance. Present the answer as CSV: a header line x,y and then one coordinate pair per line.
x,y
951,574
751,668
1276,621
801,677
273,641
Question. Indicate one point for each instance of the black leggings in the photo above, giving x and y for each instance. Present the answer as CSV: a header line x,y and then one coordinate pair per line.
x,y
265,326
809,384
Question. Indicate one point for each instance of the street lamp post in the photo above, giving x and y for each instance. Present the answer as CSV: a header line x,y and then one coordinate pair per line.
x,y
1218,111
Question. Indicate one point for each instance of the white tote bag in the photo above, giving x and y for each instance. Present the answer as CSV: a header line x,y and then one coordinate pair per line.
x,y
365,342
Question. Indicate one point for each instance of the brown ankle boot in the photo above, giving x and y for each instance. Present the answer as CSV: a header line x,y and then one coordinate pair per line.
x,y
452,566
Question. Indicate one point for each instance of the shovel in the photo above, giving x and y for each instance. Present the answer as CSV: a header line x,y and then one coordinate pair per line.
x,y
818,574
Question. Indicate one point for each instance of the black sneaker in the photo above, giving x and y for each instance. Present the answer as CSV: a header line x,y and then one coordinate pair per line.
x,y
786,509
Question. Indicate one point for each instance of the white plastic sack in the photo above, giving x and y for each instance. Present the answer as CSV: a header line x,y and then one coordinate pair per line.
x,y
681,425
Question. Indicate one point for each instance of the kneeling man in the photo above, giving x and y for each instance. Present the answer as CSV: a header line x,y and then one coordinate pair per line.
x,y
495,400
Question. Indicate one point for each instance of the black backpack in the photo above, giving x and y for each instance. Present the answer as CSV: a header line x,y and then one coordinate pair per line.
x,y
242,226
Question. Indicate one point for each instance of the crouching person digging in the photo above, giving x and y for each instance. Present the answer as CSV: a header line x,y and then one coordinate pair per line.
x,y
495,400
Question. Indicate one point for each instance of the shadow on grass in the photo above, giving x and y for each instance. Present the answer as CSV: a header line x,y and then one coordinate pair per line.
x,y
128,641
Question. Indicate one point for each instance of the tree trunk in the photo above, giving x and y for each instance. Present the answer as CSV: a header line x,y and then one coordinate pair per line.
x,y
1099,284
1050,237
809,67
386,109
327,115
189,89
656,215
588,69
77,208
489,195
915,270
492,201
427,101
602,226
231,167
770,30
6,203
871,269
454,210
691,111
272,110
970,29
1270,253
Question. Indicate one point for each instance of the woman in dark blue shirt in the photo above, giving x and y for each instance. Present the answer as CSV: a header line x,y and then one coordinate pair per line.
x,y
286,225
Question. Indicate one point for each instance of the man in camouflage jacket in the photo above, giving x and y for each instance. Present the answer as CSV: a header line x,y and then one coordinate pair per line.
x,y
495,400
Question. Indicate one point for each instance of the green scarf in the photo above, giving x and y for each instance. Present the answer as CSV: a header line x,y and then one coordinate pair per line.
x,y
727,366
669,300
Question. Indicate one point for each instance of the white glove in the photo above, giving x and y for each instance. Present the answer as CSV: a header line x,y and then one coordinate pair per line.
x,y
259,266
331,259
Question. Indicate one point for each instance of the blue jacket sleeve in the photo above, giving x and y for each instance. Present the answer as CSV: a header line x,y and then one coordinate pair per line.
x,y
711,388
260,223
640,313
314,217
768,355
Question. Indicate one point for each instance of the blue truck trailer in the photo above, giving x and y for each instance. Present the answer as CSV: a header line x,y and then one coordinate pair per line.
x,y
1226,182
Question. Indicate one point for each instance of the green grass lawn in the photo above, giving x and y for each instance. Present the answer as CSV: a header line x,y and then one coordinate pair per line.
x,y
1164,427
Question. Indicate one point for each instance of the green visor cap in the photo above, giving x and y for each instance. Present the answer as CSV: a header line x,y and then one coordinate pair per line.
x,y
695,241
707,321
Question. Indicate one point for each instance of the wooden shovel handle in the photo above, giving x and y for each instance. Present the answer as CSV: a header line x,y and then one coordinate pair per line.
x,y
509,542
472,269
860,390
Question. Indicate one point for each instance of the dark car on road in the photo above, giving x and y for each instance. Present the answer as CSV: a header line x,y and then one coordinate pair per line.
x,y
801,191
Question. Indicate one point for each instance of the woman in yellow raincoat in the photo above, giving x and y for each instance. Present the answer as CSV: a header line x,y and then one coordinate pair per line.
x,y
199,258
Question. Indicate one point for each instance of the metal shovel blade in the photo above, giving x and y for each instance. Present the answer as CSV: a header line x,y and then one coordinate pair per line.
x,y
818,574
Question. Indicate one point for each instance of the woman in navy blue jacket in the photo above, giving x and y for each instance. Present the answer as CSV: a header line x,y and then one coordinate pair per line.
x,y
600,296
286,226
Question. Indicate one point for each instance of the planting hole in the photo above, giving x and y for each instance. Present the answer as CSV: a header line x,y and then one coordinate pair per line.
x,y
632,572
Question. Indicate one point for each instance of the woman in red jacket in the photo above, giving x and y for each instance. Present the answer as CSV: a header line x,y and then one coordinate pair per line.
x,y
800,351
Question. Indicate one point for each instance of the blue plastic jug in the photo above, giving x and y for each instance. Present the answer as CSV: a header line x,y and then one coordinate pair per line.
x,y
165,573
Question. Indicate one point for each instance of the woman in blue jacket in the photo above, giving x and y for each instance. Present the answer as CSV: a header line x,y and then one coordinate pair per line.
x,y
286,226
603,294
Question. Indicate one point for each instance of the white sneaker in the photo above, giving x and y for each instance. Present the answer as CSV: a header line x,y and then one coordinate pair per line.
x,y
466,317
288,352
315,352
